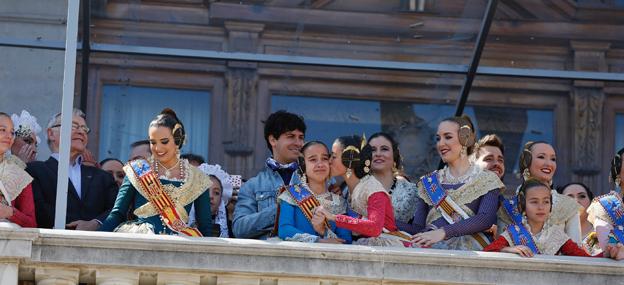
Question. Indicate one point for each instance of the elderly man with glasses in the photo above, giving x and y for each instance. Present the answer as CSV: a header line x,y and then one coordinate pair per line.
x,y
92,191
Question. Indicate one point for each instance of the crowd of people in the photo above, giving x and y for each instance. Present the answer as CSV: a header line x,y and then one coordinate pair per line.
x,y
352,192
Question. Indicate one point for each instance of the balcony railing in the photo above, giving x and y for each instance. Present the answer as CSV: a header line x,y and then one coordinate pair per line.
x,y
72,257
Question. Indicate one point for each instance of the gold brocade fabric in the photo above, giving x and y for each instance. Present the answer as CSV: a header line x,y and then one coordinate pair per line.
x,y
330,201
368,186
196,184
14,178
597,211
549,241
481,184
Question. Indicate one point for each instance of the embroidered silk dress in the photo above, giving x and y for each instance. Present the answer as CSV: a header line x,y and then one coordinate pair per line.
x,y
476,193
551,240
16,191
404,201
565,211
376,215
295,226
185,194
603,223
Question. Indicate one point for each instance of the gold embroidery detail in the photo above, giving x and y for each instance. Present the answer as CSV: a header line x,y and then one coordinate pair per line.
x,y
196,184
483,183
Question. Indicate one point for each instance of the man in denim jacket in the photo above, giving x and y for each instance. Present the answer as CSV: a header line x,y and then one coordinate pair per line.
x,y
254,215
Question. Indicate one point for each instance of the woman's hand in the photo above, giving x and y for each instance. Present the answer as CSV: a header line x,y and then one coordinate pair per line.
x,y
616,251
521,250
27,153
427,239
328,215
5,211
318,223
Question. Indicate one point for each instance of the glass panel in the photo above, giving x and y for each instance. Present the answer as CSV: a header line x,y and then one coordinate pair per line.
x,y
128,110
414,125
32,79
619,135
398,30
582,35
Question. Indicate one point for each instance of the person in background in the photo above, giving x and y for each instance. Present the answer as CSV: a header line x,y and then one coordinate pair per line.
x,y
91,192
220,193
140,150
256,209
194,159
489,154
26,136
16,199
115,168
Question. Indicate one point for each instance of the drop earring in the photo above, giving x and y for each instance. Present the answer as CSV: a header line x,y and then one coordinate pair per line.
x,y
349,173
367,166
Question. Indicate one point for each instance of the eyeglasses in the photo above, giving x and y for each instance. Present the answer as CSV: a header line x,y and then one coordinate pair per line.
x,y
75,127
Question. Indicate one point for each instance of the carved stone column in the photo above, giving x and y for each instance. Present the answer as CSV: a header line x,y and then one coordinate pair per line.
x,y
116,277
56,276
242,99
587,112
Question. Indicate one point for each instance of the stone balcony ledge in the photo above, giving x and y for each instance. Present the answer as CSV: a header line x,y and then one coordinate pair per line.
x,y
95,256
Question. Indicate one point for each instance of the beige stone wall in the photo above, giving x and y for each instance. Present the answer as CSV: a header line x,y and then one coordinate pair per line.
x,y
68,257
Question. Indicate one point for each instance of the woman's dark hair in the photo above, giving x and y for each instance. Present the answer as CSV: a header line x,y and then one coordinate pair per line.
x,y
350,156
217,178
280,122
590,195
526,185
193,157
110,159
466,133
301,161
168,118
616,165
396,154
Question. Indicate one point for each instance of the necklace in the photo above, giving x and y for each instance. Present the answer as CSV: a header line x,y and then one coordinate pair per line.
x,y
168,170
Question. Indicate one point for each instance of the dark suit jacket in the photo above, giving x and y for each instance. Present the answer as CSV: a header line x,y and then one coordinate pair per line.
x,y
98,188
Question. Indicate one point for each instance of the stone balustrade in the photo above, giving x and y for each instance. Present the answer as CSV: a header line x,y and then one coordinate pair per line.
x,y
72,257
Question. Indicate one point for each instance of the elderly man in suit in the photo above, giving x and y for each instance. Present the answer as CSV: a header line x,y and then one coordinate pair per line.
x,y
92,191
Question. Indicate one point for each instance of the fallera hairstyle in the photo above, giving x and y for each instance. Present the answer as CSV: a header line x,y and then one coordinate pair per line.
x,y
616,166
351,147
168,118
526,156
466,133
193,157
489,140
281,122
396,153
590,195
525,187
305,147
110,159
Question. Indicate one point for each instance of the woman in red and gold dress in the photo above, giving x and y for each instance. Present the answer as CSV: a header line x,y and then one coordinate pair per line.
x,y
16,198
